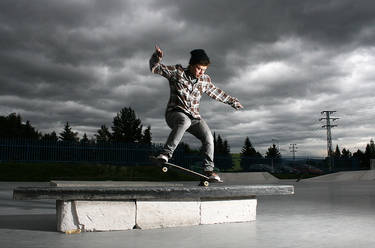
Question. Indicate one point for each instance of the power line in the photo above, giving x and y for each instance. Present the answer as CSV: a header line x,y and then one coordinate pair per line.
x,y
328,126
293,148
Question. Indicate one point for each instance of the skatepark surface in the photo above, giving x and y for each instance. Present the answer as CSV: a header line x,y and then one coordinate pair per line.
x,y
342,176
319,214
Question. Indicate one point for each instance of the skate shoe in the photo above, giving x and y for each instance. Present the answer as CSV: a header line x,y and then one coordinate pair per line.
x,y
162,158
213,177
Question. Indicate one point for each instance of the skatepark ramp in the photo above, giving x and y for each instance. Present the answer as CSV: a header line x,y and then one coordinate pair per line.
x,y
248,177
363,175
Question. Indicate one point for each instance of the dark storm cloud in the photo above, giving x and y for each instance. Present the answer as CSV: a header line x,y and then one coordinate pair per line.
x,y
82,61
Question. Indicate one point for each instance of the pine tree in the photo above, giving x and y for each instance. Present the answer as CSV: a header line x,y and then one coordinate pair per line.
x,y
248,155
11,126
219,146
273,152
103,135
85,139
126,126
370,150
346,154
248,149
51,137
67,135
146,138
337,153
222,156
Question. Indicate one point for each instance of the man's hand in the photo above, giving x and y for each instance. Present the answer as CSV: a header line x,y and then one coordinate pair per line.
x,y
158,51
238,105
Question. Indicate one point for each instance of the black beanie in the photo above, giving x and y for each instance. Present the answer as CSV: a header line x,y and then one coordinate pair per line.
x,y
199,56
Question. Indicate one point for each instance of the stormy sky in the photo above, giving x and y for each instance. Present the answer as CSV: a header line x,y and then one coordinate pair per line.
x,y
82,61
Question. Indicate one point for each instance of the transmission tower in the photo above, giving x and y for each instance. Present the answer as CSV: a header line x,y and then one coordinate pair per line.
x,y
328,126
293,149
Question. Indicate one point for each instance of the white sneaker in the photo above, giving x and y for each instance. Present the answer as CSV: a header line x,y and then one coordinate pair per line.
x,y
162,158
213,177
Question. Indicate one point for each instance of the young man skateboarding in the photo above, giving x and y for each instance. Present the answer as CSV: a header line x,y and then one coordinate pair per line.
x,y
182,114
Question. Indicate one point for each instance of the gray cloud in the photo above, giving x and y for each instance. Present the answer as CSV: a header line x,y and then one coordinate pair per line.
x,y
82,61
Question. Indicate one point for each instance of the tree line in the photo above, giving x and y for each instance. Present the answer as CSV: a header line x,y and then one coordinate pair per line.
x,y
127,128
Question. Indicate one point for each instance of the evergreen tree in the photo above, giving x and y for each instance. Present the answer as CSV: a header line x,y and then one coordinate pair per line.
x,y
273,152
85,139
67,135
248,155
29,131
337,153
364,163
370,150
226,147
126,126
11,126
52,137
219,146
248,150
103,135
146,138
222,156
346,154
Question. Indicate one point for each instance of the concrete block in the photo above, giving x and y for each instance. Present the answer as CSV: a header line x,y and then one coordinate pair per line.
x,y
227,211
95,215
66,216
168,213
106,215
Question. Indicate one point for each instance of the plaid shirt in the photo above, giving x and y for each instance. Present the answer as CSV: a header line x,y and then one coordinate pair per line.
x,y
185,90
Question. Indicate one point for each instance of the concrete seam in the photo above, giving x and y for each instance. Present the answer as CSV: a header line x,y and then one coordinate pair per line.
x,y
200,211
75,216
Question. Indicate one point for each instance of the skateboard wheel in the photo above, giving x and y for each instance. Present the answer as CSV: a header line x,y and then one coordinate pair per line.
x,y
204,183
164,169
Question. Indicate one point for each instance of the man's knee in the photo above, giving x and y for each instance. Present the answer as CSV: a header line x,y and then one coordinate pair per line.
x,y
209,139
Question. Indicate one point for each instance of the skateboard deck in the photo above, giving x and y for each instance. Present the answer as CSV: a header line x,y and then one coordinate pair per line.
x,y
165,166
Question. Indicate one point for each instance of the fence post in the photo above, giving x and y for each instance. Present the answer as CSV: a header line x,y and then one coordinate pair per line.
x,y
372,164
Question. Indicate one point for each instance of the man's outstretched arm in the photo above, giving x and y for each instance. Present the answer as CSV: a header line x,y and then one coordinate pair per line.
x,y
157,67
220,95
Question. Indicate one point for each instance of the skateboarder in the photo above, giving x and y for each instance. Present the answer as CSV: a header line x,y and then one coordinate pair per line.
x,y
182,114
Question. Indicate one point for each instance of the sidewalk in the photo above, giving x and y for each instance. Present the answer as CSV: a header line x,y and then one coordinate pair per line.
x,y
339,214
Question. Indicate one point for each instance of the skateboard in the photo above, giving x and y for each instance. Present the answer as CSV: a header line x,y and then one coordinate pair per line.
x,y
165,166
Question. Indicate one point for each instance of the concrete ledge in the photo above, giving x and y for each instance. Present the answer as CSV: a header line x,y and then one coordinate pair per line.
x,y
110,184
123,208
148,192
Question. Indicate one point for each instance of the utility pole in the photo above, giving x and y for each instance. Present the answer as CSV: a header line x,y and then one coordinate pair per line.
x,y
293,148
328,126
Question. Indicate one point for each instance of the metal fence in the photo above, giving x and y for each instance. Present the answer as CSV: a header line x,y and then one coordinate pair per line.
x,y
23,150
52,151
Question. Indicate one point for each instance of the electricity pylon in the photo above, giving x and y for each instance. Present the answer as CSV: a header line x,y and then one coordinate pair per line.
x,y
293,148
328,126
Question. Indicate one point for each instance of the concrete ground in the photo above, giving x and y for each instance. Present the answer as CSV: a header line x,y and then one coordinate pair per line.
x,y
320,214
